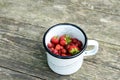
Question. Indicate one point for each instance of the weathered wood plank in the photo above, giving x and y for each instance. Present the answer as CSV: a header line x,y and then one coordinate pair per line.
x,y
106,6
6,74
94,26
100,19
28,56
26,30
23,23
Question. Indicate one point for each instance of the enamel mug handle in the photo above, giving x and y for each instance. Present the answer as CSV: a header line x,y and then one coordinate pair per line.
x,y
94,50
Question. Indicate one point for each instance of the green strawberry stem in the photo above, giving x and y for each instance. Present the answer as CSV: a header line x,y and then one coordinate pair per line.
x,y
74,51
68,39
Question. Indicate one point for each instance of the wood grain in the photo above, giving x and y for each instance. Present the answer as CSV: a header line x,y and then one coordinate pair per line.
x,y
23,24
27,57
7,74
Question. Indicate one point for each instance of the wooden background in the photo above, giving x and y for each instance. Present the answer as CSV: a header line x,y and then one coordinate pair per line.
x,y
24,22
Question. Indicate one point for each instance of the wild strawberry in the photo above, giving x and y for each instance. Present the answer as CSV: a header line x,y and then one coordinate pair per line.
x,y
64,45
68,54
63,54
61,47
63,51
74,40
72,43
73,49
51,49
77,42
80,44
64,40
50,45
55,52
55,39
60,52
58,47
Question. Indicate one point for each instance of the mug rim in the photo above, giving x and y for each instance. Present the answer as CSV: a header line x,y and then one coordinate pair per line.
x,y
65,57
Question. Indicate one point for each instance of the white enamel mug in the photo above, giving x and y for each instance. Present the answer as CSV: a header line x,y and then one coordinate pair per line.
x,y
66,65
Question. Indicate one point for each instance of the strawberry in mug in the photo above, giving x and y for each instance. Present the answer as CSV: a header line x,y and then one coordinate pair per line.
x,y
64,45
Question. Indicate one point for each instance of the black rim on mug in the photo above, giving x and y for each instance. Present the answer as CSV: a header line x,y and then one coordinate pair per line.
x,y
65,57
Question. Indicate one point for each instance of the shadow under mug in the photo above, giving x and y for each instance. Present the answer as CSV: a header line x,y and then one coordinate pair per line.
x,y
66,65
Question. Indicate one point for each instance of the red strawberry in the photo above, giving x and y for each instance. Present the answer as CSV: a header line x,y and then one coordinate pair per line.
x,y
77,42
55,52
73,49
74,40
58,47
50,45
55,39
52,49
63,51
64,40
60,52
65,45
72,43
63,54
69,54
61,47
